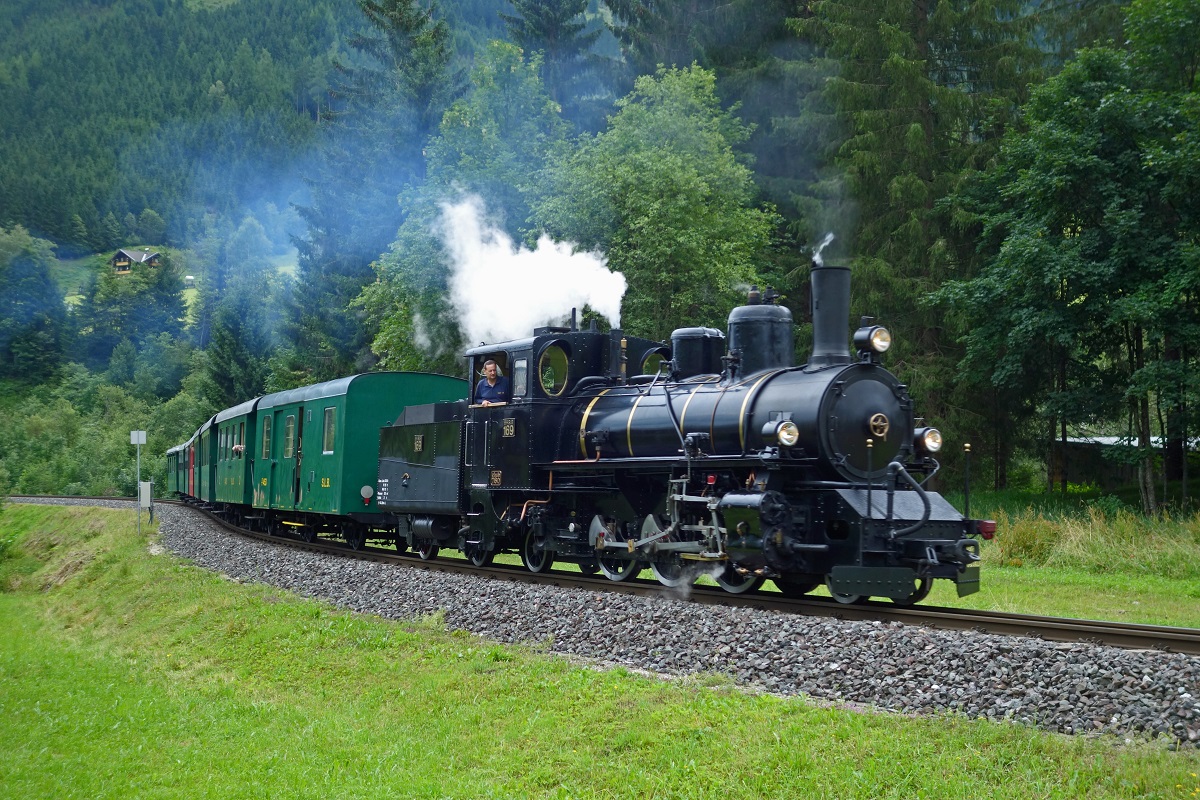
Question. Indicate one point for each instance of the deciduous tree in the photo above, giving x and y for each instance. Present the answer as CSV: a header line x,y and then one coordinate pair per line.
x,y
665,196
494,143
1091,220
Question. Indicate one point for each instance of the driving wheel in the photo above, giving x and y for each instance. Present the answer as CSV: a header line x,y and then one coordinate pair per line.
x,y
534,554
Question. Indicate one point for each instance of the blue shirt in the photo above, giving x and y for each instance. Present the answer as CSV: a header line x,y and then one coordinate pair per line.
x,y
492,394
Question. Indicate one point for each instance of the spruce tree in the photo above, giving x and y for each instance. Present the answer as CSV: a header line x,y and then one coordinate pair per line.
x,y
33,319
146,302
571,72
389,101
922,95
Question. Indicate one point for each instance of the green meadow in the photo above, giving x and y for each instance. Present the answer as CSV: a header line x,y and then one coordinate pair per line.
x,y
125,672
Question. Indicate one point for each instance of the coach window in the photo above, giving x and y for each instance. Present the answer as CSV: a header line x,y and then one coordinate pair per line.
x,y
328,432
552,370
223,446
241,439
289,436
266,442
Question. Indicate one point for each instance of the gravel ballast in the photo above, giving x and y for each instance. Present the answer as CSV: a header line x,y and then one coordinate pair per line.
x,y
1069,688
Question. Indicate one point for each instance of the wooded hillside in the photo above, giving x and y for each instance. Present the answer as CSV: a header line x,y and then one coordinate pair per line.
x,y
1014,185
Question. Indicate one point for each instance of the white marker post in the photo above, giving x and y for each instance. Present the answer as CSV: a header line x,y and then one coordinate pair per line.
x,y
138,438
146,497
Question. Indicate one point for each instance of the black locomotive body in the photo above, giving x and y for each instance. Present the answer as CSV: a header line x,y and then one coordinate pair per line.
x,y
709,456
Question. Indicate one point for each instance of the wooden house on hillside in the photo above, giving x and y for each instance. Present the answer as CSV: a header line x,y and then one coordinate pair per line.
x,y
123,260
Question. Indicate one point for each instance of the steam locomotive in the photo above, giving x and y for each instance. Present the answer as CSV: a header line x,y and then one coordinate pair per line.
x,y
708,456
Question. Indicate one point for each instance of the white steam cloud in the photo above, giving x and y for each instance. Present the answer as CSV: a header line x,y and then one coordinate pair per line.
x,y
503,291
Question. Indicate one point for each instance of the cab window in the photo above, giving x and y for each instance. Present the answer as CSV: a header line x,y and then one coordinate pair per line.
x,y
652,363
502,371
552,370
520,377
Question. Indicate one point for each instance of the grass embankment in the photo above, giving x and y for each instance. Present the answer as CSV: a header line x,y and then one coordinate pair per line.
x,y
125,674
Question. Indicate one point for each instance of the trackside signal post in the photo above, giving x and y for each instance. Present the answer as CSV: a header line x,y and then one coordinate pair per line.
x,y
138,438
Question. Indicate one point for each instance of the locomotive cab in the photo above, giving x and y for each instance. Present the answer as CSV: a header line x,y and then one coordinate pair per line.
x,y
505,446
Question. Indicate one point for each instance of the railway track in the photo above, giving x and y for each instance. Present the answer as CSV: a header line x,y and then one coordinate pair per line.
x,y
1124,635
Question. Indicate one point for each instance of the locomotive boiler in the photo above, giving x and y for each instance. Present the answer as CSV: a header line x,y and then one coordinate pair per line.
x,y
710,455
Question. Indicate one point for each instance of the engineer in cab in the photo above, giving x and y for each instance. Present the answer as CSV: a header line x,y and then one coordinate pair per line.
x,y
493,388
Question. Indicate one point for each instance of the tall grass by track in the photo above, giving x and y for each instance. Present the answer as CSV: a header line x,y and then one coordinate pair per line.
x,y
1101,542
1085,555
127,674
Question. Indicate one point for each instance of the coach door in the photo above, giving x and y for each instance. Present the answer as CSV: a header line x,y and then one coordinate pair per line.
x,y
283,479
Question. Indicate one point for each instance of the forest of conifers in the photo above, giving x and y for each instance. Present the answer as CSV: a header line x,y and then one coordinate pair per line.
x,y
1015,185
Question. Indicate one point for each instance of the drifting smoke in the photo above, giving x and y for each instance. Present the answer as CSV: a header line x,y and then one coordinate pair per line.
x,y
501,291
420,334
817,253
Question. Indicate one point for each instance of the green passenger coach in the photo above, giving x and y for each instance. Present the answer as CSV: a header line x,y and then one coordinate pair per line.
x,y
309,456
176,477
234,428
206,463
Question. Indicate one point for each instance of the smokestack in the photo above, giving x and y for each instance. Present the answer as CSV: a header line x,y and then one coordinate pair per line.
x,y
831,316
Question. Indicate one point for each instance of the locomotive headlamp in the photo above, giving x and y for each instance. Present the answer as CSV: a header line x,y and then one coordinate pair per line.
x,y
928,439
783,432
788,433
874,339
